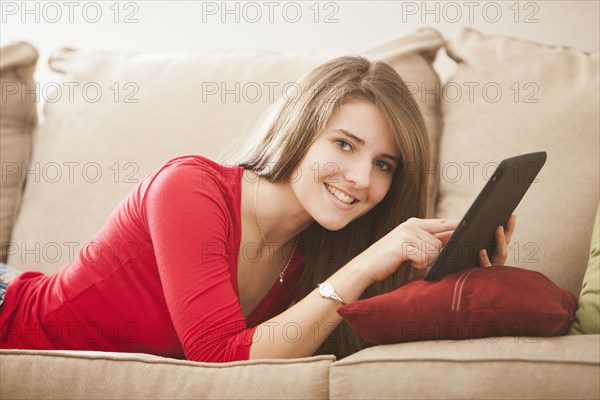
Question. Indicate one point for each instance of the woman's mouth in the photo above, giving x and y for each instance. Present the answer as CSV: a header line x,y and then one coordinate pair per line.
x,y
339,198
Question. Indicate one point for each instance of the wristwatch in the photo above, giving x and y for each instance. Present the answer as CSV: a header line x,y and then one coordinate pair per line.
x,y
326,290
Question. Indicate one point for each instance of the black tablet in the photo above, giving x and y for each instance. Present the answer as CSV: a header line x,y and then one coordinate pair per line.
x,y
492,208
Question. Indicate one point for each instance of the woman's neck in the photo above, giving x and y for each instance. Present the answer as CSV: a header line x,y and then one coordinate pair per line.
x,y
281,215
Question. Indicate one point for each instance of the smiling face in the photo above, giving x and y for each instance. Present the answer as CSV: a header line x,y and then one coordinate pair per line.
x,y
348,169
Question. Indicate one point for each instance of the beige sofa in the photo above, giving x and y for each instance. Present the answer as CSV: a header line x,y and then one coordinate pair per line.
x,y
119,116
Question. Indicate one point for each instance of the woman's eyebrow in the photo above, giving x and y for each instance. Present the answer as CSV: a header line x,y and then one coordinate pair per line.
x,y
362,143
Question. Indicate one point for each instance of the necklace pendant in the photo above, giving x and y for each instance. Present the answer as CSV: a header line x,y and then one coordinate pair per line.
x,y
281,281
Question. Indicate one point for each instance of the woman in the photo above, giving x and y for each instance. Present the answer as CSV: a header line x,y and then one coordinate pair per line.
x,y
202,261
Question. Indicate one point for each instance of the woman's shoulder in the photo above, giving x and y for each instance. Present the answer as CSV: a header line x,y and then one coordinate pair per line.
x,y
189,182
201,167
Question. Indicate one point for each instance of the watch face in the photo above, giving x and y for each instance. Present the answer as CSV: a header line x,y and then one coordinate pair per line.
x,y
326,289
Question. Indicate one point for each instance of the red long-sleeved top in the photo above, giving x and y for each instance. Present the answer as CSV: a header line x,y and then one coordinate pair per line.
x,y
159,278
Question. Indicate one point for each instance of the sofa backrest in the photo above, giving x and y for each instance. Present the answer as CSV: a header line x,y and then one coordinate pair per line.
x,y
18,119
116,117
510,97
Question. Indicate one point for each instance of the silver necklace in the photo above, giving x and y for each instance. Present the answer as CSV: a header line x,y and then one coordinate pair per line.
x,y
265,239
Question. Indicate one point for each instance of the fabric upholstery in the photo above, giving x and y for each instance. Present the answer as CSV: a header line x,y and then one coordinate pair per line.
x,y
173,119
564,367
18,120
510,97
479,302
139,110
28,374
587,318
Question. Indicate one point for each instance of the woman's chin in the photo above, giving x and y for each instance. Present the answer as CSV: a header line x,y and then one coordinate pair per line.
x,y
333,226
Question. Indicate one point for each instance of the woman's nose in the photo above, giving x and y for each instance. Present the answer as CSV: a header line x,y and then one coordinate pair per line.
x,y
358,174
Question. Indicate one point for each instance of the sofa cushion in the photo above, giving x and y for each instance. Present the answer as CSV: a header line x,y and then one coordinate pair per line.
x,y
123,115
475,303
48,374
18,119
587,318
564,367
508,97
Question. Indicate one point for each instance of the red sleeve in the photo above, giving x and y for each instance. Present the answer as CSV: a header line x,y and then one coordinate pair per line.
x,y
189,220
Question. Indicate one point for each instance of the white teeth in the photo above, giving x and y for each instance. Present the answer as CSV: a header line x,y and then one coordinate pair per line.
x,y
339,195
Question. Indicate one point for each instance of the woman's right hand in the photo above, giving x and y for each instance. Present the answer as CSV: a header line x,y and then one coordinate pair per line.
x,y
415,241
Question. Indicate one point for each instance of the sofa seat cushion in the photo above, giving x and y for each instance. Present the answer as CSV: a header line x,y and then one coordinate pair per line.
x,y
563,367
49,374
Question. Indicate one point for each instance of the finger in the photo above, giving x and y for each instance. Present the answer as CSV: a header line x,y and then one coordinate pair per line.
x,y
438,225
510,227
431,242
422,255
424,249
500,251
444,236
484,260
417,258
424,240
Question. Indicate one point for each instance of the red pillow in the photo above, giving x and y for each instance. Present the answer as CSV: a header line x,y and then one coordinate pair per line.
x,y
480,302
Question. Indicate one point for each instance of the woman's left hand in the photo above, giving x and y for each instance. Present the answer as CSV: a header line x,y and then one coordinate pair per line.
x,y
502,240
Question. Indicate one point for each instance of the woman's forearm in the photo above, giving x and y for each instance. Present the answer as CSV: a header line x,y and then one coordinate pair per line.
x,y
300,330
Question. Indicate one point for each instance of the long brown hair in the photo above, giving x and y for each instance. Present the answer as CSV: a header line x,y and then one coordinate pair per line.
x,y
291,126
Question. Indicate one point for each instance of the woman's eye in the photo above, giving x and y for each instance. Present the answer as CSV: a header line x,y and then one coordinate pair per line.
x,y
385,166
346,146
343,144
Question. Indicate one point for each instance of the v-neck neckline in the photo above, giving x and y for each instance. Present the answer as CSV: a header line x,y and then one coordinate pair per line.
x,y
262,306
